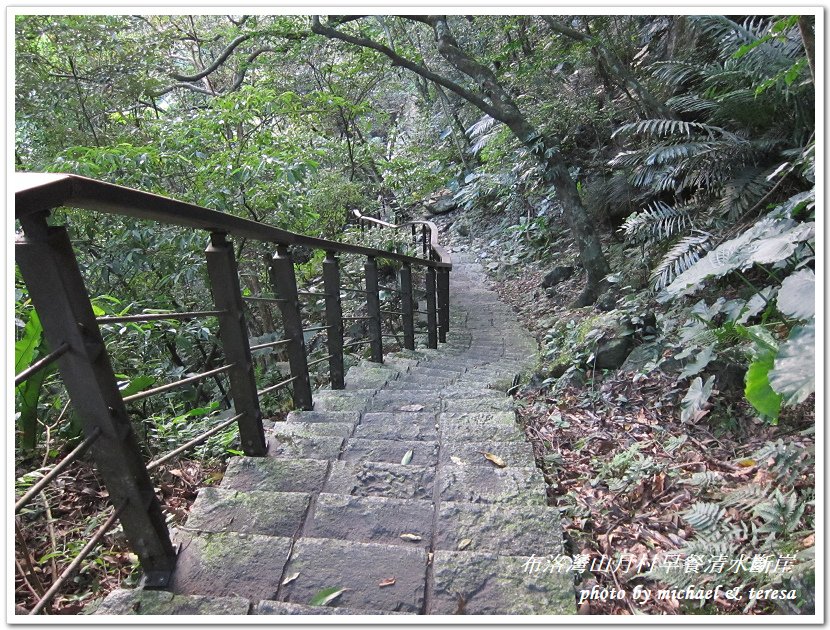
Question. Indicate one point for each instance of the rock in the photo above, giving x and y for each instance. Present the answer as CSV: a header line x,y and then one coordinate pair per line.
x,y
557,275
463,229
611,354
606,302
729,376
641,356
442,203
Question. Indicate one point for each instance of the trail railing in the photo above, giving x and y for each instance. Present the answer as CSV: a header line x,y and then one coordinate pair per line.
x,y
56,286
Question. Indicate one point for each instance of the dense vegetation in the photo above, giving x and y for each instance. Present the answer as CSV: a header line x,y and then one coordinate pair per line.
x,y
664,157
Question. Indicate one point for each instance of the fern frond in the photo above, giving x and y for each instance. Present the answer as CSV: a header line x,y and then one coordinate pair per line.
x,y
745,497
685,253
743,191
664,127
657,220
676,73
690,103
705,517
481,126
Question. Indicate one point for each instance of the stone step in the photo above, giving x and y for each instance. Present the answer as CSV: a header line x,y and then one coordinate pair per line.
x,y
138,601
424,453
478,583
514,453
284,608
372,519
517,530
342,400
275,475
402,401
361,568
368,375
397,426
351,417
480,484
300,428
381,479
499,426
229,564
248,512
309,446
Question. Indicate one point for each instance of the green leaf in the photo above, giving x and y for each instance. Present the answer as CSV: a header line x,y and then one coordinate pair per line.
x,y
703,359
758,391
25,348
136,385
326,596
693,403
407,457
794,375
797,297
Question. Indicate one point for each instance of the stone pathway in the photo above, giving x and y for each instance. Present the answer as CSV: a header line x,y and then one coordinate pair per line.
x,y
383,490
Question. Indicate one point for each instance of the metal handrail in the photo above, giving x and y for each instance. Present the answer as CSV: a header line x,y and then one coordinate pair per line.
x,y
39,192
69,323
439,252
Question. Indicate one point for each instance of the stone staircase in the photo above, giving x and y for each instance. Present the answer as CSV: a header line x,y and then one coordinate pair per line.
x,y
383,491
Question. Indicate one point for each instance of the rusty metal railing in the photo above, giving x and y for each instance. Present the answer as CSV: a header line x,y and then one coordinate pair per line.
x,y
57,289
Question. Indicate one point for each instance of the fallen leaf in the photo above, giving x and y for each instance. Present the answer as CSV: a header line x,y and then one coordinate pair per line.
x,y
408,457
464,544
386,582
411,537
411,408
290,579
498,461
326,596
747,462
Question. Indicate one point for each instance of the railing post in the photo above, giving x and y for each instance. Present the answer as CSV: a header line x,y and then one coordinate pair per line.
x,y
285,288
373,309
443,282
334,319
405,278
432,322
227,296
48,265
424,240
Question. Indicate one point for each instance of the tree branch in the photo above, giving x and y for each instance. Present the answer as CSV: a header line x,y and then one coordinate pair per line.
x,y
216,63
318,28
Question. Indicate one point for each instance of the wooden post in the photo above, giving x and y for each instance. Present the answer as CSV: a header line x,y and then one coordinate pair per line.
x,y
373,309
285,288
432,323
334,319
405,280
233,331
443,285
49,268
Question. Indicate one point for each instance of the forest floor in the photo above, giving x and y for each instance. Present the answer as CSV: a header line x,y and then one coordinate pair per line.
x,y
618,462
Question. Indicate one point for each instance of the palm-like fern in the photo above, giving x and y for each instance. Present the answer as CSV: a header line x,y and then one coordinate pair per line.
x,y
737,122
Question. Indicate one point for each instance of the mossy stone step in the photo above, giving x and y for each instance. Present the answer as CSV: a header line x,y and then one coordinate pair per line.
x,y
381,479
352,417
342,400
275,475
295,446
284,608
397,426
138,601
372,519
517,530
478,484
312,429
360,568
514,453
248,512
477,583
424,453
230,564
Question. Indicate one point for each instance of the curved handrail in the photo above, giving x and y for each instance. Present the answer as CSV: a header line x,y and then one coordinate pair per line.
x,y
38,192
440,253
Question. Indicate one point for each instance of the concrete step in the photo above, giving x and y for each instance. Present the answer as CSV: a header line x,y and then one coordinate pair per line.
x,y
381,479
138,601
